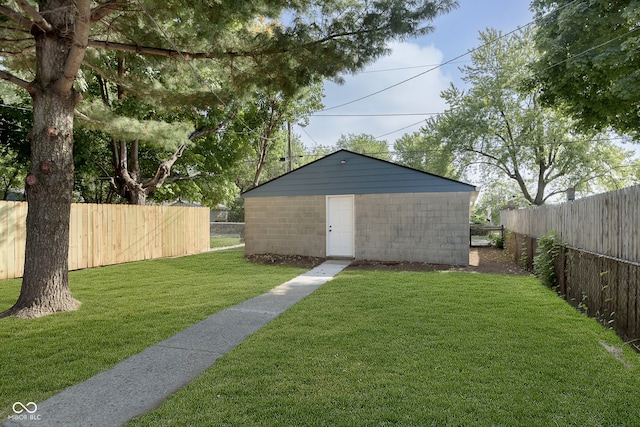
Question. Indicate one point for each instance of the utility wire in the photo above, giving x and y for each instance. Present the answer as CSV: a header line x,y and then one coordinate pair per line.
x,y
398,130
552,65
376,115
446,62
409,68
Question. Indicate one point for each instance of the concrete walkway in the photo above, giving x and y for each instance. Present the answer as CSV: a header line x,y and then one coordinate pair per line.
x,y
142,382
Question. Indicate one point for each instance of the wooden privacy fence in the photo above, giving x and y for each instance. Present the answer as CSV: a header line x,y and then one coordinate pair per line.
x,y
605,288
110,234
607,224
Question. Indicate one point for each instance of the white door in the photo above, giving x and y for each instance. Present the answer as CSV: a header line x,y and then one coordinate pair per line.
x,y
340,226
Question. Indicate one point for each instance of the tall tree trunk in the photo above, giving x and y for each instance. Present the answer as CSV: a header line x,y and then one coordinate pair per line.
x,y
49,184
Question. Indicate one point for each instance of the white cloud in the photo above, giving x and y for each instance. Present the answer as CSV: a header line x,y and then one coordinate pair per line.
x,y
419,95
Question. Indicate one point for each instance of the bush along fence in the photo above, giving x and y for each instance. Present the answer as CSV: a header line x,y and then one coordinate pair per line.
x,y
603,287
110,234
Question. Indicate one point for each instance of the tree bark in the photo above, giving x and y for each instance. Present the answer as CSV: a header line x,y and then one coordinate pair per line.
x,y
49,184
127,182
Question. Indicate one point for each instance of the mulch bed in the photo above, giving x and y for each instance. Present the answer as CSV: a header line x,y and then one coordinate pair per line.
x,y
483,260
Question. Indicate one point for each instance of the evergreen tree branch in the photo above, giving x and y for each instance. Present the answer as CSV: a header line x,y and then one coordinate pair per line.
x,y
87,118
121,83
17,17
15,80
37,18
155,51
173,53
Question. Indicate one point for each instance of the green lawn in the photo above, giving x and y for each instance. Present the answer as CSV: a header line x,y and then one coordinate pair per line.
x,y
222,241
368,348
420,349
125,309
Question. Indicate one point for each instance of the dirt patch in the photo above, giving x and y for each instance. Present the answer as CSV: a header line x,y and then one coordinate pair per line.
x,y
493,260
481,259
290,260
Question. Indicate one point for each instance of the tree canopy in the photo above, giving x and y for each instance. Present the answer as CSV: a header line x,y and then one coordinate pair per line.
x,y
502,127
428,152
589,62
15,123
364,144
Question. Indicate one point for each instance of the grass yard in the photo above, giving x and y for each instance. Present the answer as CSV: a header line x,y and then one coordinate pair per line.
x,y
222,241
418,348
125,309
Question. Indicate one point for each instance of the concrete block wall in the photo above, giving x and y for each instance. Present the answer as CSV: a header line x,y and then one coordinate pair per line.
x,y
285,225
420,227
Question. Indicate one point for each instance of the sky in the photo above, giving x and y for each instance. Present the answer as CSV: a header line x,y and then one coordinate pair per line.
x,y
402,109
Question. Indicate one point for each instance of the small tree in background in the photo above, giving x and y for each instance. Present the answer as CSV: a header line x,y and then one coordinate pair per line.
x,y
365,144
499,126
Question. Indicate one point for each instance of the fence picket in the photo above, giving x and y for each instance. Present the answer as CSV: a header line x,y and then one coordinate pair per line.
x,y
110,234
607,223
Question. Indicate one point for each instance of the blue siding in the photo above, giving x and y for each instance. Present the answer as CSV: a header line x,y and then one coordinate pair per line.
x,y
358,174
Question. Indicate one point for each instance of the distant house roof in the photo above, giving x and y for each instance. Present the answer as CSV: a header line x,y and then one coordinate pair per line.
x,y
181,202
346,172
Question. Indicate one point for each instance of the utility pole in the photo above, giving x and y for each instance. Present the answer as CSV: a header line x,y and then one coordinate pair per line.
x,y
290,164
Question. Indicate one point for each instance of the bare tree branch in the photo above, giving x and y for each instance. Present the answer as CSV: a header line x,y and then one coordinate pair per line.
x,y
171,53
134,160
553,193
16,80
163,172
78,48
107,8
11,41
37,18
17,17
155,51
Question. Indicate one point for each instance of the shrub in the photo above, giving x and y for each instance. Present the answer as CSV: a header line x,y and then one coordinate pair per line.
x,y
495,239
544,261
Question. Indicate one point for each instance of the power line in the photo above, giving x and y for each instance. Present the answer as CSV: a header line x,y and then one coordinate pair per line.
x,y
415,76
588,50
398,130
409,68
486,44
446,62
376,115
314,141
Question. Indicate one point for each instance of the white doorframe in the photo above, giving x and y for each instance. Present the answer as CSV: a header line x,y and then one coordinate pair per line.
x,y
340,222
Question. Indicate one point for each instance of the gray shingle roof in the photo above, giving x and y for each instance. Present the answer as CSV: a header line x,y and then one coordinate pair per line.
x,y
345,172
